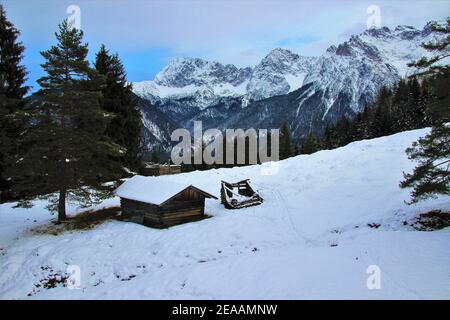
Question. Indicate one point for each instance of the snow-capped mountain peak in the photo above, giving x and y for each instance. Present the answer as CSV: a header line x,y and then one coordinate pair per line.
x,y
183,72
306,92
279,72
203,82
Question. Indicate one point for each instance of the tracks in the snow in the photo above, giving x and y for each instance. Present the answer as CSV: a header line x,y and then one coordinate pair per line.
x,y
287,213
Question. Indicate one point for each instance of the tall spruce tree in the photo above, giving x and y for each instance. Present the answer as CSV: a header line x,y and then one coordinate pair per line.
x,y
154,157
310,145
68,157
125,128
12,73
416,104
343,131
432,174
402,118
285,142
381,122
437,98
330,139
12,91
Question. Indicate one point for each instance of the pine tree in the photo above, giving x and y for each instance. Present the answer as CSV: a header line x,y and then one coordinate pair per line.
x,y
297,148
310,145
432,175
356,130
68,157
343,131
154,157
285,142
329,137
431,66
12,91
12,73
126,127
416,107
426,98
363,129
381,122
402,117
437,99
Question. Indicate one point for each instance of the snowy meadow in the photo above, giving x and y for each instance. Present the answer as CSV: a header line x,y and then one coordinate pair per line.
x,y
330,222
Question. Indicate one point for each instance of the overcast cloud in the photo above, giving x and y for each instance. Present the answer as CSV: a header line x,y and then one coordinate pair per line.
x,y
148,33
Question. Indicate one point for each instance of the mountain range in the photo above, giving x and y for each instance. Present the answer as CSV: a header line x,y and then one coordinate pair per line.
x,y
306,92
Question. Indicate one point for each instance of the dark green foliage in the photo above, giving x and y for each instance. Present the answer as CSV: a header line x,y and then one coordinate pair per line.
x,y
437,99
411,104
341,133
155,157
125,128
12,91
421,101
430,66
381,118
12,73
432,220
285,142
66,150
310,145
432,174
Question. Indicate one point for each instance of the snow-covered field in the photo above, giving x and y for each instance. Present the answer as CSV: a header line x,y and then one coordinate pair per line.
x,y
310,239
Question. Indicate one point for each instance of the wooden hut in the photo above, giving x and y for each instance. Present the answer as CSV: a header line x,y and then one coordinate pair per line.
x,y
158,203
159,169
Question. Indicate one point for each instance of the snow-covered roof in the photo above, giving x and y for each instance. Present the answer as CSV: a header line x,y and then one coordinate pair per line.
x,y
150,189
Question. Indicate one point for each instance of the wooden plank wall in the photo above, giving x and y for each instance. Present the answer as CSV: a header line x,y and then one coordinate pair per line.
x,y
160,170
163,170
185,207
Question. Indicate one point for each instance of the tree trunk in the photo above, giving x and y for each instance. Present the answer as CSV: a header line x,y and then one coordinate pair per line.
x,y
62,205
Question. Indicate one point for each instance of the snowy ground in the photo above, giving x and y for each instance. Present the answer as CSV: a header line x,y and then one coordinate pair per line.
x,y
308,240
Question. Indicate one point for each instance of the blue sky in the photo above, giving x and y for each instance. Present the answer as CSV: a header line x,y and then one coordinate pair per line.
x,y
147,34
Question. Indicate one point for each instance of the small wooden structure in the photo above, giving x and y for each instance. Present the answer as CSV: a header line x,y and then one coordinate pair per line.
x,y
155,203
160,169
239,195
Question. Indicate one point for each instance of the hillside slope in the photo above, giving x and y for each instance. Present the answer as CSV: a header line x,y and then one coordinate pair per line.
x,y
310,238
